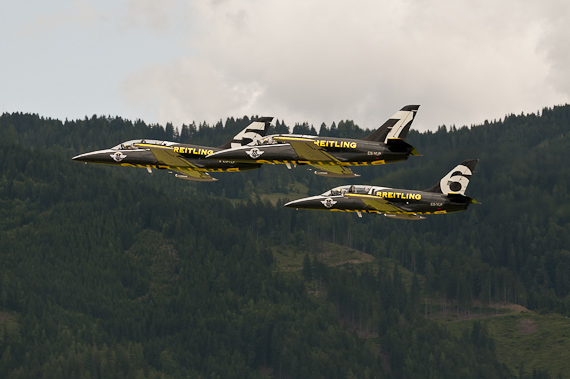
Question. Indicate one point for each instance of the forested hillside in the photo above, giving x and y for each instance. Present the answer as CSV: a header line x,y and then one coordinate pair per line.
x,y
111,272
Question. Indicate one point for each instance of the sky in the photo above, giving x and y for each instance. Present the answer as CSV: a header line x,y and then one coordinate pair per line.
x,y
299,61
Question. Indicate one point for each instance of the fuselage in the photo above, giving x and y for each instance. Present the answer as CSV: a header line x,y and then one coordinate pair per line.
x,y
137,153
348,152
400,201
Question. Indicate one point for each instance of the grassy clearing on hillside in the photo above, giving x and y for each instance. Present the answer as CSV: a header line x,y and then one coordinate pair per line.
x,y
521,337
294,191
288,259
529,339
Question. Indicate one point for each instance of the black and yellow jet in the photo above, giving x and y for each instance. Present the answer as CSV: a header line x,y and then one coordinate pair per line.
x,y
448,195
188,161
331,156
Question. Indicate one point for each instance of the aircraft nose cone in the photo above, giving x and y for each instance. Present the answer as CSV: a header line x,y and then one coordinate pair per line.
x,y
87,157
110,156
290,204
102,156
314,202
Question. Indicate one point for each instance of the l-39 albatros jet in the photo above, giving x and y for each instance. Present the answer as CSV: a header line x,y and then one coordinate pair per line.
x,y
329,155
448,195
187,160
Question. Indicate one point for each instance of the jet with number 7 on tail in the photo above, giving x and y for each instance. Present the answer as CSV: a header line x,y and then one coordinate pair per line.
x,y
188,161
329,155
448,195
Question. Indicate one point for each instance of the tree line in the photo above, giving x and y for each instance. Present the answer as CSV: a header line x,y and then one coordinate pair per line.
x,y
111,272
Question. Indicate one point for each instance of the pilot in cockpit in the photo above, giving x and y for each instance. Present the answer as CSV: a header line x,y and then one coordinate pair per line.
x,y
344,189
129,145
268,140
336,191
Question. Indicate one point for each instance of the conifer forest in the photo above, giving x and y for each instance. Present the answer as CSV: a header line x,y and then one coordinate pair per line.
x,y
112,272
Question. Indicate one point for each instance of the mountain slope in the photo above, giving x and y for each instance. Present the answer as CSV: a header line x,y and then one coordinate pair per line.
x,y
118,273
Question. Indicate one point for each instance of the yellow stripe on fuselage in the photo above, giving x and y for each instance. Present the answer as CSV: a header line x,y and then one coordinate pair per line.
x,y
373,211
178,149
182,168
335,163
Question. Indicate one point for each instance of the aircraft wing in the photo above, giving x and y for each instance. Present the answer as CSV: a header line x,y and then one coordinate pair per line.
x,y
307,150
186,170
189,174
166,155
334,171
378,203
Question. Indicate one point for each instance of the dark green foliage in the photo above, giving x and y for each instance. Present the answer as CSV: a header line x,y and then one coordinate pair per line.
x,y
307,268
413,347
111,272
108,272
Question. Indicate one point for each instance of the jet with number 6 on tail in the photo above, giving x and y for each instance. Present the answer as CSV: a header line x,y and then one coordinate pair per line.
x,y
188,161
329,155
448,195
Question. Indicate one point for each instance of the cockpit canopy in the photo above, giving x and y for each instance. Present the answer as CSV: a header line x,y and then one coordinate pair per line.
x,y
341,190
269,140
130,145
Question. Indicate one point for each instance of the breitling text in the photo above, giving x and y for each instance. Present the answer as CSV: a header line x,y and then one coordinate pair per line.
x,y
192,150
399,195
340,144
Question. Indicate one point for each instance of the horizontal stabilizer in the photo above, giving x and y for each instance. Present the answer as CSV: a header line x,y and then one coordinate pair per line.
x,y
458,198
399,145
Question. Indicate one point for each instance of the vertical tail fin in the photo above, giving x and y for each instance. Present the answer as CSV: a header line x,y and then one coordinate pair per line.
x,y
396,127
253,132
456,181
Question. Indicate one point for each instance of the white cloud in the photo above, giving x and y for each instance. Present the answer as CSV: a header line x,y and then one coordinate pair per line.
x,y
158,15
554,45
323,61
176,89
79,13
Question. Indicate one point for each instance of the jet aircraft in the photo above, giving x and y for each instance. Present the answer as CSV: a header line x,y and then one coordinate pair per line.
x,y
446,196
331,156
188,161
